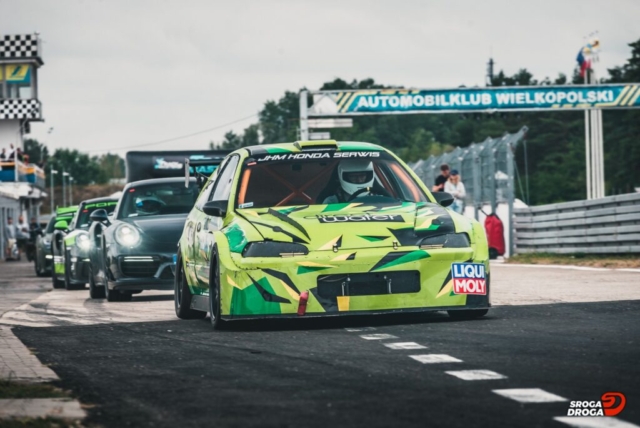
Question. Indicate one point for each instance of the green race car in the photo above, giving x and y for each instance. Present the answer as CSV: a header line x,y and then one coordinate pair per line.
x,y
317,228
71,244
44,257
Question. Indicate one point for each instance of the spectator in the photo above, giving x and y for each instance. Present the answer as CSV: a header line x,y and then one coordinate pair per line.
x,y
21,156
3,154
455,187
10,234
442,178
22,234
34,228
10,153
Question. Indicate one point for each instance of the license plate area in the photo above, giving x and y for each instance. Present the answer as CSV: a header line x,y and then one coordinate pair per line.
x,y
368,284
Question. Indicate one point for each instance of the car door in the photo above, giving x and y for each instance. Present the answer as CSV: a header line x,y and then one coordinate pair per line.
x,y
206,225
188,248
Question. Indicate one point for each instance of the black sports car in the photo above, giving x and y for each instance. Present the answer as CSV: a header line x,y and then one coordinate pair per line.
x,y
74,246
136,250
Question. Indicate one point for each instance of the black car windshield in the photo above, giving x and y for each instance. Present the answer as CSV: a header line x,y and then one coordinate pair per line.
x,y
324,178
158,199
83,216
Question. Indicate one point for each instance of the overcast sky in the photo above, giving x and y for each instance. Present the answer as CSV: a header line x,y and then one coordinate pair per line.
x,y
124,73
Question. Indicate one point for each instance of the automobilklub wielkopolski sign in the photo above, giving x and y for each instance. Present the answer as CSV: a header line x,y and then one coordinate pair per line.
x,y
386,101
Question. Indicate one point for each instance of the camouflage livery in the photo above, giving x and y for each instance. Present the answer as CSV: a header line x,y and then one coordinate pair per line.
x,y
344,258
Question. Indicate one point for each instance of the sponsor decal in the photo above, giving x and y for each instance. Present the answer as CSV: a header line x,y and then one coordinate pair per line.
x,y
161,163
469,278
246,205
360,218
610,404
318,155
100,205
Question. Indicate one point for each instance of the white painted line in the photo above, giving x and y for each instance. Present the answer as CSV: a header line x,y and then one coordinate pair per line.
x,y
379,336
594,422
435,358
529,395
354,330
476,375
404,345
628,270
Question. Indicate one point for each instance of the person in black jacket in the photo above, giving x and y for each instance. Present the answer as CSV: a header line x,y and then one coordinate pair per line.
x,y
442,178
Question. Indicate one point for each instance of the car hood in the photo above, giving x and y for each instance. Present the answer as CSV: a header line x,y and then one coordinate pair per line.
x,y
351,225
164,228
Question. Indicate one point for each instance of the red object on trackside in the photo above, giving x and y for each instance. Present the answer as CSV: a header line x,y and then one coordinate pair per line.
x,y
495,235
302,304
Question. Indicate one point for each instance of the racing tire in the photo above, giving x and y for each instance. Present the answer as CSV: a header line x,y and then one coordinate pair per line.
x,y
182,295
95,292
111,295
467,314
214,291
40,273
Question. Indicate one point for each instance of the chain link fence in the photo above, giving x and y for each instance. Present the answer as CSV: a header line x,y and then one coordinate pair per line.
x,y
487,171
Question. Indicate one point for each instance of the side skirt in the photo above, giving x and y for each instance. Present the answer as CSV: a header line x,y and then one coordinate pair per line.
x,y
200,303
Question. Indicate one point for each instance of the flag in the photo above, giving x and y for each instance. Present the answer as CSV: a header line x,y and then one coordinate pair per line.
x,y
583,62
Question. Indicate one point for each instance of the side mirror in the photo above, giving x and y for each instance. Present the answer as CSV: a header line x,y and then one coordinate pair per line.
x,y
99,216
443,198
61,225
216,208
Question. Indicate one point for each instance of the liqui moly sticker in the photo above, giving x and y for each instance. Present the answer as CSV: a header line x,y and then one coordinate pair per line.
x,y
469,278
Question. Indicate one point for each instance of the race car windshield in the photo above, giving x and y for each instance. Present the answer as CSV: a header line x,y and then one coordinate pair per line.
x,y
83,216
158,199
312,178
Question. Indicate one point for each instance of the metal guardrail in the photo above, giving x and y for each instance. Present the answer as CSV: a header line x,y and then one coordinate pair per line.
x,y
599,226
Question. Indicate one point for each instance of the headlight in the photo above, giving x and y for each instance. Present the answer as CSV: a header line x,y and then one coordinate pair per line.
x,y
274,249
83,242
127,236
450,240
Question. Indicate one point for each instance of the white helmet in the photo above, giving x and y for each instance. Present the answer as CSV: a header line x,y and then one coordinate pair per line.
x,y
355,175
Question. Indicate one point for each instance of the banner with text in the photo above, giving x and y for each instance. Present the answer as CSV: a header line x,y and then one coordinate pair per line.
x,y
511,98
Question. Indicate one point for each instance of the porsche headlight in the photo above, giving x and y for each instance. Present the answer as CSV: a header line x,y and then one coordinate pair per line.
x,y
450,240
127,236
83,242
274,249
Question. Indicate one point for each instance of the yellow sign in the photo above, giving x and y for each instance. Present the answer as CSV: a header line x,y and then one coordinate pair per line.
x,y
18,73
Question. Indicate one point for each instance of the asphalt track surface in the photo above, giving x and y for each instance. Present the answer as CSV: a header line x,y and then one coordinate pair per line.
x,y
331,372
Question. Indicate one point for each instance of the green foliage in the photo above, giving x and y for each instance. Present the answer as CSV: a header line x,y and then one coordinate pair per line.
x,y
37,152
555,141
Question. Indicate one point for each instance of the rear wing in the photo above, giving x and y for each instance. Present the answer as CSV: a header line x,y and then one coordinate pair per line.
x,y
201,169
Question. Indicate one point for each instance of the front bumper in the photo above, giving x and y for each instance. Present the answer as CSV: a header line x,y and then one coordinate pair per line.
x,y
258,287
79,270
142,272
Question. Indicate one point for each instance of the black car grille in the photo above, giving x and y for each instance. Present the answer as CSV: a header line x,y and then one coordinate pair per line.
x,y
368,284
137,268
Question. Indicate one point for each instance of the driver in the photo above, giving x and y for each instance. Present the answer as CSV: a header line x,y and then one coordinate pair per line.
x,y
149,205
355,176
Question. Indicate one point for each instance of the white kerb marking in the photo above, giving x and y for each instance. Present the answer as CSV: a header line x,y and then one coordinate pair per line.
x,y
404,345
476,375
354,330
529,395
435,358
594,422
379,336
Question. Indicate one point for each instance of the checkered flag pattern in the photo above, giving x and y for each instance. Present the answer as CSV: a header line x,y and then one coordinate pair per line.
x,y
19,46
20,109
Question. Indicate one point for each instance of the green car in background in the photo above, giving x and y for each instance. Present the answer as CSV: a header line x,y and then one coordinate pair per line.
x,y
71,245
320,228
44,258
